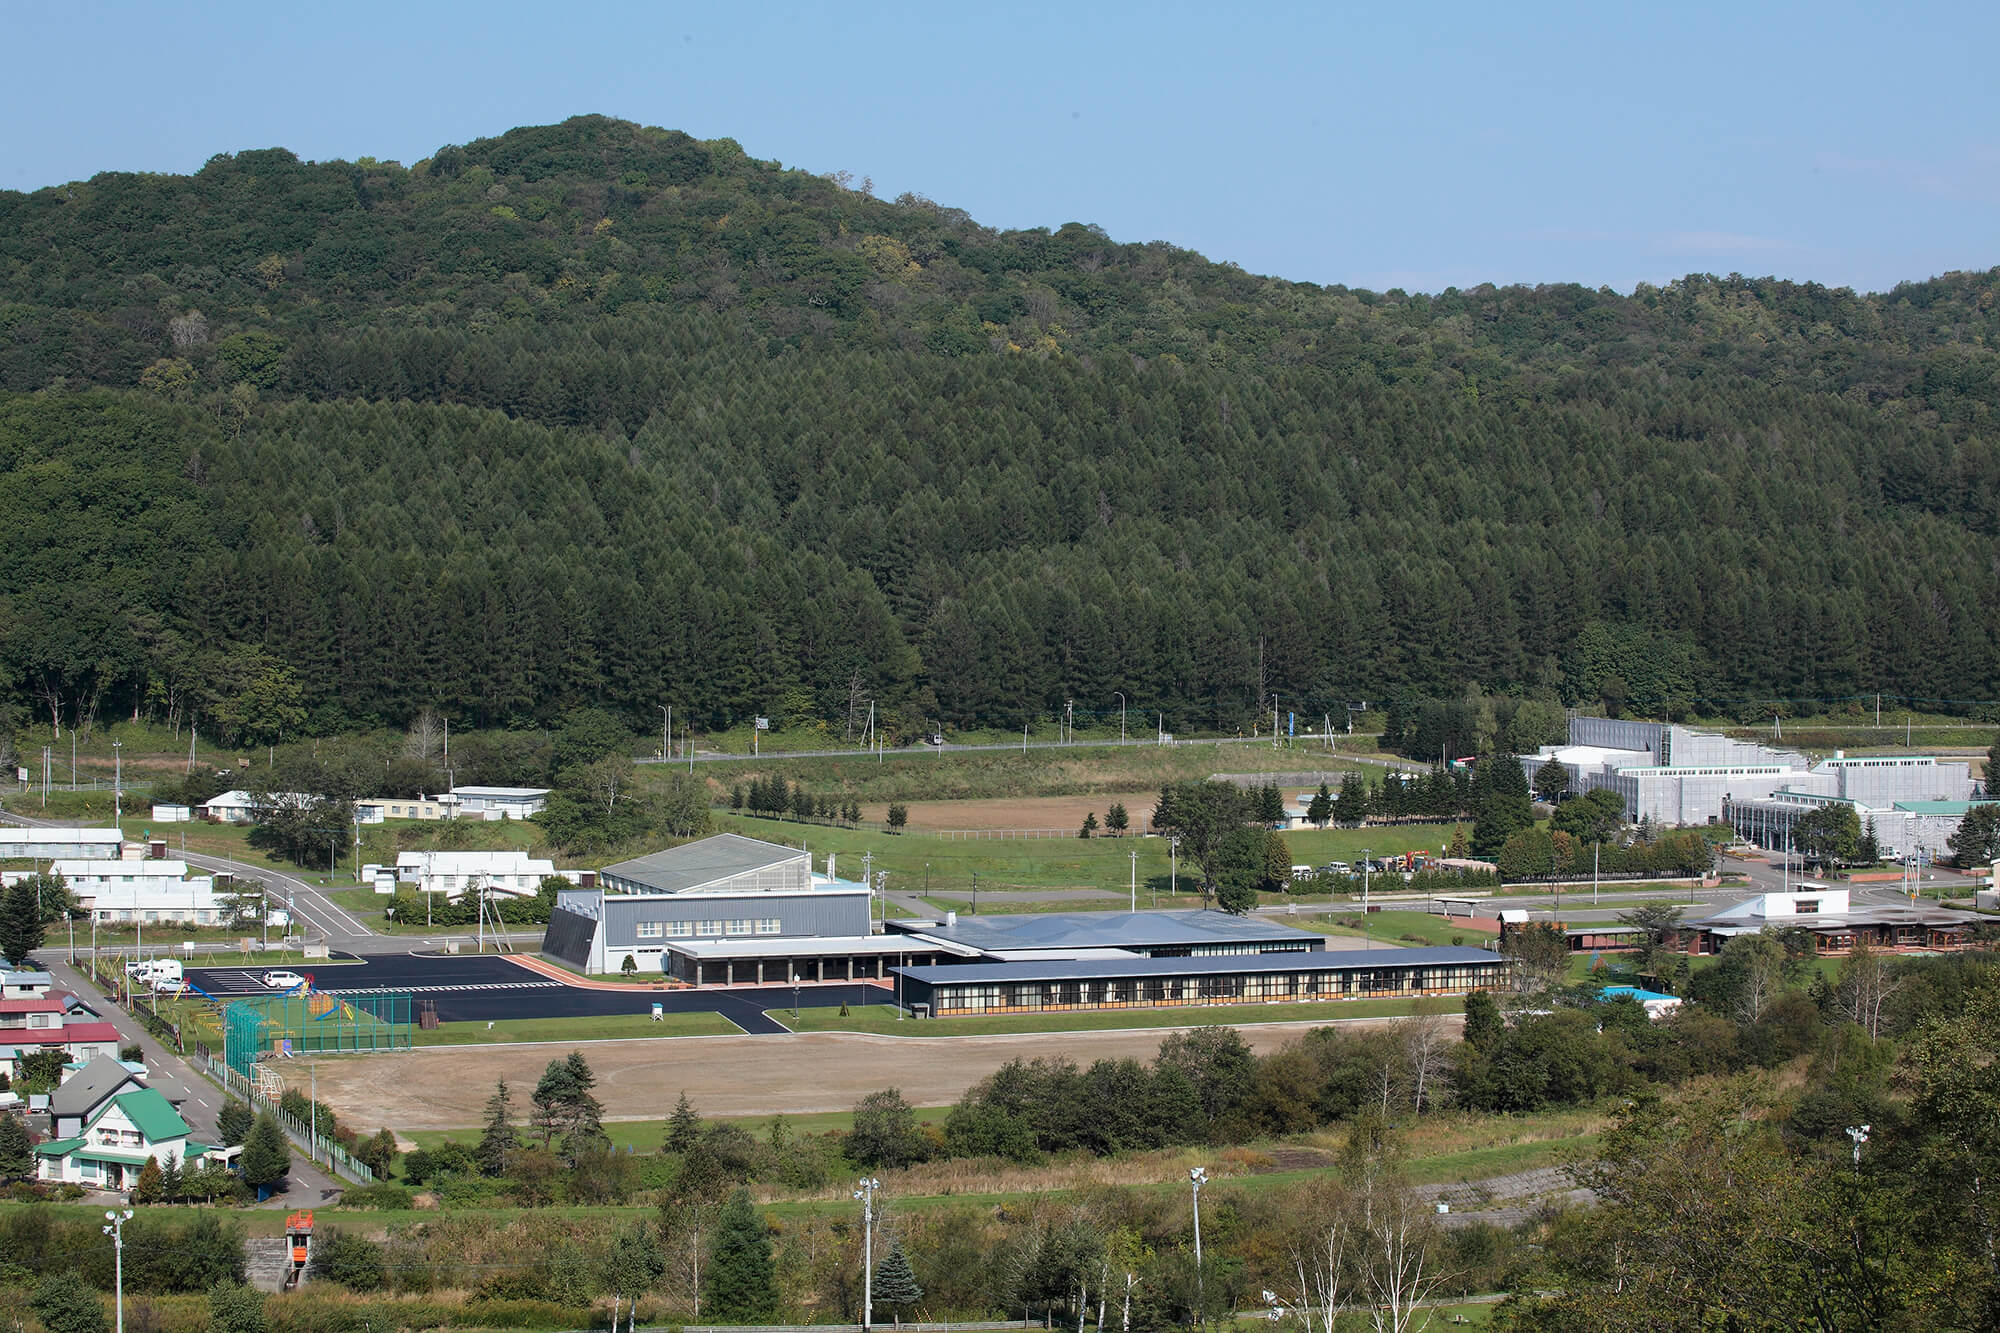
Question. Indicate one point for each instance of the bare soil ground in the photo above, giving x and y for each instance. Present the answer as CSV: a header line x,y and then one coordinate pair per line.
x,y
446,1087
1019,812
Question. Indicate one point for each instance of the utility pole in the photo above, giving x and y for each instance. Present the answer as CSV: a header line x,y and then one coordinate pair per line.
x,y
1121,715
1069,711
667,733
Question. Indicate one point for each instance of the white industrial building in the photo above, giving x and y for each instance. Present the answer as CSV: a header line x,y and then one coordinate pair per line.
x,y
1675,775
511,872
66,844
139,890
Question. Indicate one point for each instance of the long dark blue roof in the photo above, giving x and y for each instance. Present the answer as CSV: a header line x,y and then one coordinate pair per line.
x,y
1112,930
1095,969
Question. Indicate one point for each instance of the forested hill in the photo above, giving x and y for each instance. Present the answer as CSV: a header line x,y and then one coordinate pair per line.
x,y
594,413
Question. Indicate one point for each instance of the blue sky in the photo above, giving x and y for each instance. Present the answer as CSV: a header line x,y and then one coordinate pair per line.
x,y
1378,145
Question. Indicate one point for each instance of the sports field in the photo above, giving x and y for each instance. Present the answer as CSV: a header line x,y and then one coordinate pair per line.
x,y
445,1087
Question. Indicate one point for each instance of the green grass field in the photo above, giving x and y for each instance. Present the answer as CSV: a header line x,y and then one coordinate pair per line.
x,y
882,1020
927,864
646,1135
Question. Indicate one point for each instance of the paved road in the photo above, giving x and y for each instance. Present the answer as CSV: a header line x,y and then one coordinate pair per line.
x,y
490,988
200,1102
1300,745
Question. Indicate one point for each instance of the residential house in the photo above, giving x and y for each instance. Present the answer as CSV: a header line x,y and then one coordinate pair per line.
x,y
498,802
84,1093
115,1142
511,872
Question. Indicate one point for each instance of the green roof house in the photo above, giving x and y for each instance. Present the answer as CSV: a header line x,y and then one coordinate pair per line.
x,y
116,1140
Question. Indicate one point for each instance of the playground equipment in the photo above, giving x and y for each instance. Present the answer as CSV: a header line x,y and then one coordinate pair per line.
x,y
307,1021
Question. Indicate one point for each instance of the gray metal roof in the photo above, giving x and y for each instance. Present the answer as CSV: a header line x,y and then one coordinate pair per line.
x,y
88,1086
1110,930
1343,960
703,862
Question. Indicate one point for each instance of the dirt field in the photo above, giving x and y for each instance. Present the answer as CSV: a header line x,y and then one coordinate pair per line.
x,y
1049,812
445,1087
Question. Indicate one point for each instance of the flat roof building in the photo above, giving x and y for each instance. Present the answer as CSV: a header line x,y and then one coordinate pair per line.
x,y
68,844
1144,983
497,802
1676,775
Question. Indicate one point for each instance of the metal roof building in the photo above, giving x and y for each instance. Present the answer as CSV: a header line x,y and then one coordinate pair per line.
x,y
1181,934
1054,985
724,909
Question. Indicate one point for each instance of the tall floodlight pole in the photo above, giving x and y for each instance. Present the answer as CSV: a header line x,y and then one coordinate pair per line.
x,y
1197,1177
1121,715
667,733
1858,1133
1173,866
117,1233
1135,879
1366,856
867,1196
118,783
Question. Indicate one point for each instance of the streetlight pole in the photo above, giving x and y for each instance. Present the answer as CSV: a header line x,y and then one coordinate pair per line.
x,y
117,1233
1197,1177
1121,715
867,1196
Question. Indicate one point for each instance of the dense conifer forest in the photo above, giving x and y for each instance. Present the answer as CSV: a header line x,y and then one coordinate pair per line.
x,y
594,414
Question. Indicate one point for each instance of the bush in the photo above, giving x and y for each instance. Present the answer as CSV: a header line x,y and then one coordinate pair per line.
x,y
355,1262
382,1194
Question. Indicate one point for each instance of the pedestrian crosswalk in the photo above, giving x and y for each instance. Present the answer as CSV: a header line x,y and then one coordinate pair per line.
x,y
224,984
427,990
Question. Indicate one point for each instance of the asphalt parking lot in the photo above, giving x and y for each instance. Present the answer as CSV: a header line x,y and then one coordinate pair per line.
x,y
489,988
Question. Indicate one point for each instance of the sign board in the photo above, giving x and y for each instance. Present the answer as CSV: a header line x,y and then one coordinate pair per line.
x,y
21,773
763,724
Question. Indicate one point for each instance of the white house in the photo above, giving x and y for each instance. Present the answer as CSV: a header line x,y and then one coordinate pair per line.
x,y
511,872
498,802
83,1094
116,1140
376,809
140,890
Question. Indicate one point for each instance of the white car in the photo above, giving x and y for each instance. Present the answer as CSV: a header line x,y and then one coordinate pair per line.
x,y
283,980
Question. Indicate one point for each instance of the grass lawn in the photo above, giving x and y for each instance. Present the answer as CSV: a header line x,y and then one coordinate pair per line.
x,y
602,1027
646,1135
1318,846
881,1018
944,867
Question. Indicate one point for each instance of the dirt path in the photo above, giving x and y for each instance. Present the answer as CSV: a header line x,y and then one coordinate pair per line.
x,y
446,1087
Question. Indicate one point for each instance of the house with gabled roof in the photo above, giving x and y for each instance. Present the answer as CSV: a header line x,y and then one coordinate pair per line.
x,y
116,1142
85,1092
